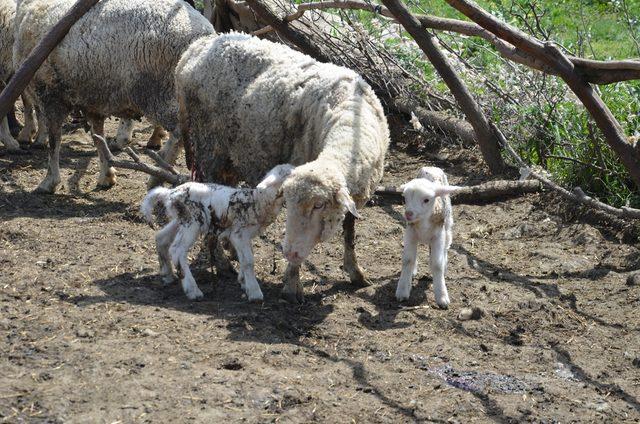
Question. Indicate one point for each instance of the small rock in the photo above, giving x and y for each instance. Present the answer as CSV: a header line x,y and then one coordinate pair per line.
x,y
636,362
633,279
85,333
149,332
467,314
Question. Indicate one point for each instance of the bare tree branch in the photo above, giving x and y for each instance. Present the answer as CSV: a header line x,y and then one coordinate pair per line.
x,y
576,195
138,165
593,71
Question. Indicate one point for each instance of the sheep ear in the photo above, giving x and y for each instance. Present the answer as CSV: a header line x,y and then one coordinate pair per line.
x,y
268,181
446,190
343,197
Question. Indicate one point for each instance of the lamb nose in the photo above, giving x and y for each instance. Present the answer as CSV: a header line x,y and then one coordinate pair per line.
x,y
408,215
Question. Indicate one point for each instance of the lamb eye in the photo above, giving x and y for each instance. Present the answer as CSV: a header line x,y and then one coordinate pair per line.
x,y
426,200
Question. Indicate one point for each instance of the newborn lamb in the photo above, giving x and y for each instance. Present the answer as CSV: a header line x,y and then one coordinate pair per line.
x,y
238,215
429,221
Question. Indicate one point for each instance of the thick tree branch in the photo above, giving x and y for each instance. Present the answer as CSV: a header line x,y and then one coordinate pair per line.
x,y
554,58
487,141
492,191
39,54
593,71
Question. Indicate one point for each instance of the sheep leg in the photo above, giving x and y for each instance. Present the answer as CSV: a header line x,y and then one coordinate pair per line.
x,y
218,258
164,238
124,134
350,262
14,125
107,177
155,141
242,245
28,132
409,261
185,237
6,138
292,291
438,264
52,180
169,153
41,135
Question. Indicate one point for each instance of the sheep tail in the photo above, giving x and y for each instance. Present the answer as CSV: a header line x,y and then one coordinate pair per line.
x,y
151,200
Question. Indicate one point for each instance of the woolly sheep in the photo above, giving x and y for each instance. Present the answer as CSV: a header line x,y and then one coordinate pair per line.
x,y
238,215
7,21
118,59
429,221
247,104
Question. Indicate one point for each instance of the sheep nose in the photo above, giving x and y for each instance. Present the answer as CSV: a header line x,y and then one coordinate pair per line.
x,y
408,215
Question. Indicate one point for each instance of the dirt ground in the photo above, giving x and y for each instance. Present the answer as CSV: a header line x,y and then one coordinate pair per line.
x,y
90,334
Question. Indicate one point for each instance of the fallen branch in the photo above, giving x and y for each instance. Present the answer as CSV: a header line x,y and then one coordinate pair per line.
x,y
438,120
593,71
576,195
39,54
492,191
137,165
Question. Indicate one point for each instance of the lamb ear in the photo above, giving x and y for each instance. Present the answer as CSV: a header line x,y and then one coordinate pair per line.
x,y
268,181
343,197
446,190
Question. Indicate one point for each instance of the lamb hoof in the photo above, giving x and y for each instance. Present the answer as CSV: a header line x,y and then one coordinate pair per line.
x,y
402,297
168,279
255,298
194,294
443,303
294,298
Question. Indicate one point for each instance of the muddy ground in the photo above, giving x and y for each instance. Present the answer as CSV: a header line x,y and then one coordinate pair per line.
x,y
90,334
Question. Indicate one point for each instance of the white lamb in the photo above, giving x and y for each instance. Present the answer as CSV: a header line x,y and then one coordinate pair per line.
x,y
238,215
429,221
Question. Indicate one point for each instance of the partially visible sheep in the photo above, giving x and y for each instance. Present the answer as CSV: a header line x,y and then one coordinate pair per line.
x,y
7,23
238,215
247,104
429,221
118,59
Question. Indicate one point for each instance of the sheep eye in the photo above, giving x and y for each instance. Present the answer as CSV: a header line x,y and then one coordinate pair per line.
x,y
426,200
318,205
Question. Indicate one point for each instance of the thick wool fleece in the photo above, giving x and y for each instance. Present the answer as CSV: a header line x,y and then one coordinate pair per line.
x,y
7,17
118,59
248,104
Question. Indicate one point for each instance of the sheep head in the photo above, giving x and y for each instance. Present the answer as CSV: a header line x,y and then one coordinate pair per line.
x,y
317,201
420,196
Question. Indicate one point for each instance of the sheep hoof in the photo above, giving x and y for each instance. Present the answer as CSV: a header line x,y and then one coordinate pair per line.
x,y
168,279
359,280
294,298
47,186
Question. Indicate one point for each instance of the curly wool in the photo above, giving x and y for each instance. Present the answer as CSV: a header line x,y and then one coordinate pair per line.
x,y
249,104
118,59
7,17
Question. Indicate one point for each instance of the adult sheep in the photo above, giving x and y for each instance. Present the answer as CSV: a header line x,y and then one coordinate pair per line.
x,y
7,21
118,59
247,105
